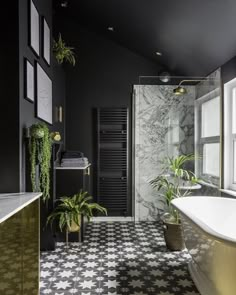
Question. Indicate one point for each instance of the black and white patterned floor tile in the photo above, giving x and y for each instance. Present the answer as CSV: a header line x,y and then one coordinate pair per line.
x,y
119,258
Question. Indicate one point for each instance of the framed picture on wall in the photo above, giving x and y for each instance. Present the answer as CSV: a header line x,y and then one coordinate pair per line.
x,y
44,95
29,89
46,38
34,28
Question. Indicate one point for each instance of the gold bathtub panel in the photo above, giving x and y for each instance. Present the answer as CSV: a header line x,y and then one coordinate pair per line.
x,y
19,252
214,259
224,268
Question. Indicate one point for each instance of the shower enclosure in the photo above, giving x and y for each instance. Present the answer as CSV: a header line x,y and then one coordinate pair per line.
x,y
164,125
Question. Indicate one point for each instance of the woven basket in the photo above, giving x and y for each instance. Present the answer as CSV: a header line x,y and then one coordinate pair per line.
x,y
173,236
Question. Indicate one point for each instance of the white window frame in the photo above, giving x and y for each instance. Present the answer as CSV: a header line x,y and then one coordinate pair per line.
x,y
229,137
201,141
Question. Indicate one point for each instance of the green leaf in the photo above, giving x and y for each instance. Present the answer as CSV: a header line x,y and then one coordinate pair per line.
x,y
69,209
168,186
63,52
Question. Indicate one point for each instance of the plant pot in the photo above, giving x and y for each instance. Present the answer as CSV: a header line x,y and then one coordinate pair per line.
x,y
75,227
173,236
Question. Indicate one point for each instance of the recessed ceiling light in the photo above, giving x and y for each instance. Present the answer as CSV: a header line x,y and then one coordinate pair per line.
x,y
164,77
64,3
158,53
111,29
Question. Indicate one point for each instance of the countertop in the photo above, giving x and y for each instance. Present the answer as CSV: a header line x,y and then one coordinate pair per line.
x,y
10,204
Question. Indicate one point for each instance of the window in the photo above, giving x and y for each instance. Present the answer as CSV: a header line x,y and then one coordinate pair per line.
x,y
207,137
230,135
211,152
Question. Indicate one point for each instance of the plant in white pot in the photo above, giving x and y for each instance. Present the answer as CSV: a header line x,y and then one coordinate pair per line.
x,y
175,181
69,210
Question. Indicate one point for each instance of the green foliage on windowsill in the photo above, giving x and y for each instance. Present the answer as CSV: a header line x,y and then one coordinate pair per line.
x,y
168,183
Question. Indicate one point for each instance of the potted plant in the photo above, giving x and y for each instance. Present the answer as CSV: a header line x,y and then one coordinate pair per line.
x,y
40,145
175,181
69,210
62,52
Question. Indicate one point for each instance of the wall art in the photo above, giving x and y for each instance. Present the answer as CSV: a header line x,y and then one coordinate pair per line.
x,y
44,95
34,28
29,81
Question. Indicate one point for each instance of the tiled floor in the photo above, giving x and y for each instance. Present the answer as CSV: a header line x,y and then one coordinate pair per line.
x,y
117,258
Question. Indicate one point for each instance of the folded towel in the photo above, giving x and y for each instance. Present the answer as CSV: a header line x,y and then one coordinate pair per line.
x,y
74,159
74,165
75,162
72,154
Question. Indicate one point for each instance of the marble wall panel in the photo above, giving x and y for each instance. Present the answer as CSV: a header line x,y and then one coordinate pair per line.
x,y
164,126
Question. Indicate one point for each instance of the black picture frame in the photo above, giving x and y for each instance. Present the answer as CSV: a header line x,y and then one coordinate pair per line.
x,y
46,41
43,95
34,28
29,81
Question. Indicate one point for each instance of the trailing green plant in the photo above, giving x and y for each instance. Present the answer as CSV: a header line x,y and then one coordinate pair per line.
x,y
63,52
169,183
40,154
69,210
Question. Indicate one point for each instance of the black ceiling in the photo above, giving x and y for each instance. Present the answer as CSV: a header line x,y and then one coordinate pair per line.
x,y
194,36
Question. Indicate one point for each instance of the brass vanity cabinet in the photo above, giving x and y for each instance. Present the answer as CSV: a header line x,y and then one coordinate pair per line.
x,y
19,252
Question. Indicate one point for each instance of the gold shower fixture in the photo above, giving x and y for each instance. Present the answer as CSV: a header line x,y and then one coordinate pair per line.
x,y
180,90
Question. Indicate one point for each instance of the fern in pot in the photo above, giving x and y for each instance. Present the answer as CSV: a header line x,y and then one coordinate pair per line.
x,y
69,210
62,52
175,181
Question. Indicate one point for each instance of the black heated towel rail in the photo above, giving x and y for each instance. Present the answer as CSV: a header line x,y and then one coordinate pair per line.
x,y
112,159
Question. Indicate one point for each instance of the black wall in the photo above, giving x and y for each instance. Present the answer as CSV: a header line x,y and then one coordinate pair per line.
x,y
27,109
228,70
16,112
103,77
9,102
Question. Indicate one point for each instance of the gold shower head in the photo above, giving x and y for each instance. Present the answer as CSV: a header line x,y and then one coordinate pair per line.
x,y
180,90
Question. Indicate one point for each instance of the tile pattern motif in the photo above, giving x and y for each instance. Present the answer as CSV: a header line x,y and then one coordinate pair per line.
x,y
123,258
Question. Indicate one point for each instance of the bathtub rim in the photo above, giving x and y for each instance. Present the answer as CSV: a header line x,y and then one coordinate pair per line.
x,y
204,227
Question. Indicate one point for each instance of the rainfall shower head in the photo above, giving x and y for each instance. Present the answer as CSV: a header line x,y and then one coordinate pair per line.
x,y
180,90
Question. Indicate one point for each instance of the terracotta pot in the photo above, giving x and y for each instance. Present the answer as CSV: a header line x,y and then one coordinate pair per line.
x,y
75,227
173,236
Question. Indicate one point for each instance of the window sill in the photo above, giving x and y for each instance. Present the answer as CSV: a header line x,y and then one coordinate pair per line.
x,y
207,184
228,192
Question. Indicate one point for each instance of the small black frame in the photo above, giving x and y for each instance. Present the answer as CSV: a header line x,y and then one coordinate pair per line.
x,y
29,81
46,41
34,28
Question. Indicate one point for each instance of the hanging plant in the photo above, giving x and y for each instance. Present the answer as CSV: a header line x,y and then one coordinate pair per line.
x,y
63,52
40,154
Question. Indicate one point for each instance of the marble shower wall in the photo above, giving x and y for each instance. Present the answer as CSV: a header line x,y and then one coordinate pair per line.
x,y
164,126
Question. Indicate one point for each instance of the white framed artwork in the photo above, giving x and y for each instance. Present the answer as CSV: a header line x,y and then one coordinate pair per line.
x,y
44,95
34,29
46,41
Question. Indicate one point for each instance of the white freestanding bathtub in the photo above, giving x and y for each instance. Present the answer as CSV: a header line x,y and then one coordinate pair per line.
x,y
209,228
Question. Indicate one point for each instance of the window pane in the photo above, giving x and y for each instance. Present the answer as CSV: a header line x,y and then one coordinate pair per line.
x,y
234,111
211,159
211,117
234,156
